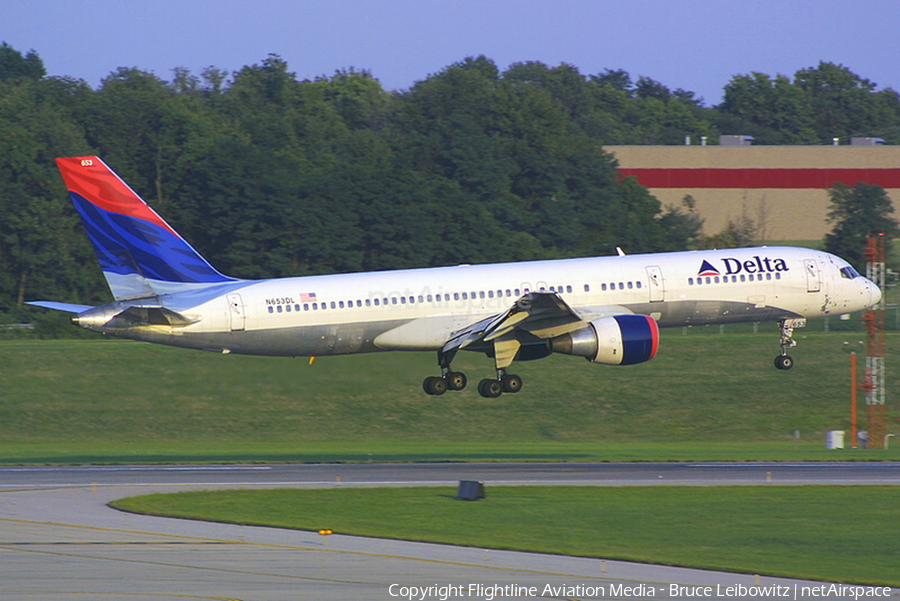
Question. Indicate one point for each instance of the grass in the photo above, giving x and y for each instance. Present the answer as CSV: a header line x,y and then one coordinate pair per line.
x,y
705,396
836,534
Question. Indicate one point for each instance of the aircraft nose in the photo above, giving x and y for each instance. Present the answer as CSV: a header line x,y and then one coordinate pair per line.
x,y
874,294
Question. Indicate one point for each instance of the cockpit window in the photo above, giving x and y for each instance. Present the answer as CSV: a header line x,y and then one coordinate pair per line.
x,y
849,273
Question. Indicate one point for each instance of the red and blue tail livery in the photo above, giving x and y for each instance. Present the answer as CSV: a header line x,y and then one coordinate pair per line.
x,y
137,250
607,310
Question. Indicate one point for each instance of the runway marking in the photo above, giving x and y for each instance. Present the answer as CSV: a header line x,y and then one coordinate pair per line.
x,y
137,468
121,594
206,540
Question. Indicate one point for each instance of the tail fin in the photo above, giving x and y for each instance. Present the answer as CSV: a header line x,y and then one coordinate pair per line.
x,y
140,254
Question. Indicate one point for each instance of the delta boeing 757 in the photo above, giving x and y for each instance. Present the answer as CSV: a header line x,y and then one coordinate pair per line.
x,y
605,309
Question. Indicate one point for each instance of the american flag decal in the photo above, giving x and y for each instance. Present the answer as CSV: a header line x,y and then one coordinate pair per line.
x,y
307,297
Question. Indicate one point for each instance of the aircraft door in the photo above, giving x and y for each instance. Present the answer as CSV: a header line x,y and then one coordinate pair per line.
x,y
657,284
236,314
813,279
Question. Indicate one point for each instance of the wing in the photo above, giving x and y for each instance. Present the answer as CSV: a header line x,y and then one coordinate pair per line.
x,y
535,316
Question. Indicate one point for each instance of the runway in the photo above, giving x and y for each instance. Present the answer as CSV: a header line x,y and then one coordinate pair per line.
x,y
59,540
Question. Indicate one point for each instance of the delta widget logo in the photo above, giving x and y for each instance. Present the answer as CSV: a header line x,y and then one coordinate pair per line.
x,y
707,269
733,266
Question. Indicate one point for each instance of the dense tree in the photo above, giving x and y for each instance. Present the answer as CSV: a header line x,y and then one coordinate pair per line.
x,y
820,104
13,64
267,175
857,213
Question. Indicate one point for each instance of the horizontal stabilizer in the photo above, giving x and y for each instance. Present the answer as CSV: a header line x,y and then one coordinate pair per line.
x,y
67,307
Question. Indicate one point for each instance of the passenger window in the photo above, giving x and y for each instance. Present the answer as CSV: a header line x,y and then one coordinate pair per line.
x,y
271,309
602,286
629,285
279,308
341,304
717,279
288,308
690,281
768,276
394,301
587,288
420,299
368,302
509,293
481,294
465,296
568,289
621,286
638,284
402,300
491,293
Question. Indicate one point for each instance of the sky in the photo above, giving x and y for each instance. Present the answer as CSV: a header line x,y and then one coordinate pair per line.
x,y
696,45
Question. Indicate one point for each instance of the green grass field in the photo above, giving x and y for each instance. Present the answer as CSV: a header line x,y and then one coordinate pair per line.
x,y
832,534
706,396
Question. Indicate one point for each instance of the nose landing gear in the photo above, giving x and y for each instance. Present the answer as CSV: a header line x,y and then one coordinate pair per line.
x,y
785,361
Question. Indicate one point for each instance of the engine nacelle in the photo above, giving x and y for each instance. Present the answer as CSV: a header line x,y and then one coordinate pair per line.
x,y
616,340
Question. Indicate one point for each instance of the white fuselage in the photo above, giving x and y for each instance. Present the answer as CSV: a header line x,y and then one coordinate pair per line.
x,y
419,309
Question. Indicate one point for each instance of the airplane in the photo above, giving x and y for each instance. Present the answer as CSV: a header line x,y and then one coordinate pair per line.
x,y
605,309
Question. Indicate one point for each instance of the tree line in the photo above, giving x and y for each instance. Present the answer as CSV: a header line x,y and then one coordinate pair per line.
x,y
269,176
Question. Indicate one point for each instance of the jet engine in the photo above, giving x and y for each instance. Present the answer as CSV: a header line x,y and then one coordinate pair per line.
x,y
615,340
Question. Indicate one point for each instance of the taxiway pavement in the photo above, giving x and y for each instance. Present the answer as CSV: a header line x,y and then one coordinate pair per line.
x,y
60,541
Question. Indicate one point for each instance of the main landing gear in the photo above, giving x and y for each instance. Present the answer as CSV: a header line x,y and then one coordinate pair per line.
x,y
785,361
451,380
490,388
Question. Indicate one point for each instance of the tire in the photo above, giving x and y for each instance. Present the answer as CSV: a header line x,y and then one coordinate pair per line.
x,y
784,362
490,389
511,383
438,386
434,385
456,380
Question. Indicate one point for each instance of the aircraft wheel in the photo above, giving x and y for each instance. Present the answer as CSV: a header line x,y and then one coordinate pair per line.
x,y
434,385
490,389
511,383
456,380
784,362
